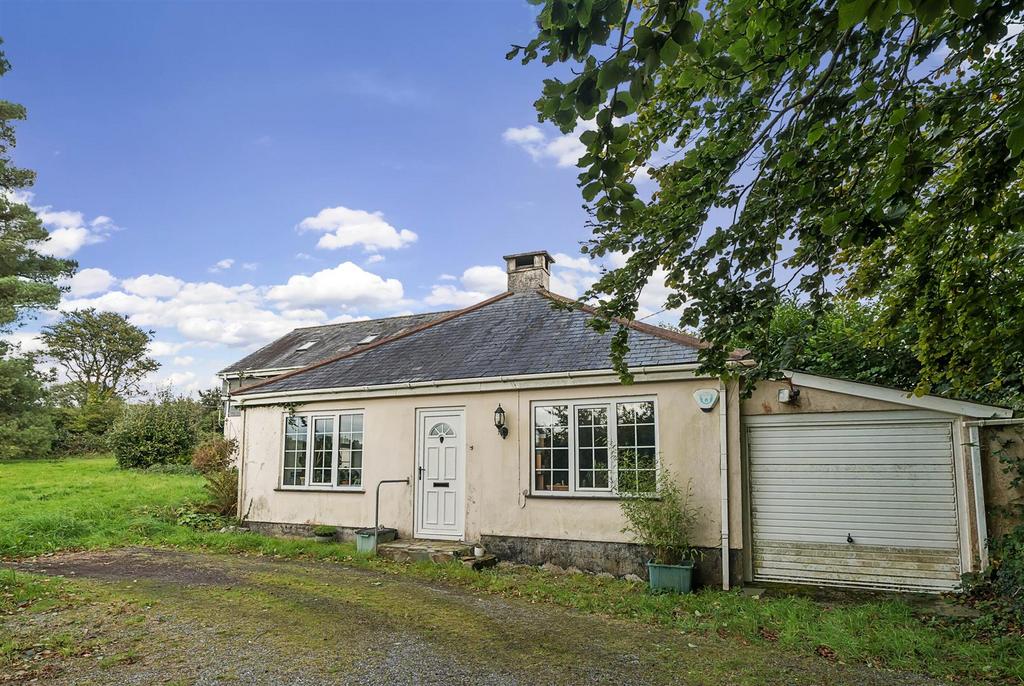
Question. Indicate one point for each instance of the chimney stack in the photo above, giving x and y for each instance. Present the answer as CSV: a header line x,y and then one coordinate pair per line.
x,y
528,271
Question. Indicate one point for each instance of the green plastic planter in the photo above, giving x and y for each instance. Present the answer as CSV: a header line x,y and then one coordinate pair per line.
x,y
670,578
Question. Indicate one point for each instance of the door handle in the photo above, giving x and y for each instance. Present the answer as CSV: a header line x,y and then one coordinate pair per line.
x,y
419,473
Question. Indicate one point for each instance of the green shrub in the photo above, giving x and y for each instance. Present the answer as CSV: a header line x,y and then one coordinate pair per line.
x,y
213,458
216,453
161,432
84,428
663,523
323,530
222,487
998,592
26,423
194,518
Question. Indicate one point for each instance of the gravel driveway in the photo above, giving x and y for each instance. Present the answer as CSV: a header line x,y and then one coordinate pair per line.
x,y
147,616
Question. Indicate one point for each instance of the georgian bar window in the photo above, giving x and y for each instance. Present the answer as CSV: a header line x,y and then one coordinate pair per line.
x,y
323,450
590,447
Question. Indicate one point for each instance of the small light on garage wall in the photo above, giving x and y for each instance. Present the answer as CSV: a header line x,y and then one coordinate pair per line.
x,y
499,422
789,395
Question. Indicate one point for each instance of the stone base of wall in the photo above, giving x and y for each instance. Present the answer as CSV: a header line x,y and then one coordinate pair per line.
x,y
619,559
301,530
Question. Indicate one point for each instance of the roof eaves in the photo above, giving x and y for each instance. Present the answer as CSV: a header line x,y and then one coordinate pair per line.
x,y
378,343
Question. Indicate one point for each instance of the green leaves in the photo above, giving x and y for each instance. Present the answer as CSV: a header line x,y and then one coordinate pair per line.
x,y
1015,141
929,10
740,50
964,8
816,132
852,12
812,135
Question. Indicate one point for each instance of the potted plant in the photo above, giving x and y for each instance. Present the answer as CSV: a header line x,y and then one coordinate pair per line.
x,y
325,534
478,550
663,523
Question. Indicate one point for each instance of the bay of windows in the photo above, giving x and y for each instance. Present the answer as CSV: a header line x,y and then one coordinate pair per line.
x,y
593,447
323,451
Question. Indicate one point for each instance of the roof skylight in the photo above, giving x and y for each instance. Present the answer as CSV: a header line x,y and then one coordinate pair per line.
x,y
305,346
369,339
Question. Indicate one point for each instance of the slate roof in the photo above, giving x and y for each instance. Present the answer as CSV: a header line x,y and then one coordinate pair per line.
x,y
511,334
330,341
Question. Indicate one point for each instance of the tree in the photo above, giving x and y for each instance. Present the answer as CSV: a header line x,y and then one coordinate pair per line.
x,y
28,277
26,425
802,148
102,353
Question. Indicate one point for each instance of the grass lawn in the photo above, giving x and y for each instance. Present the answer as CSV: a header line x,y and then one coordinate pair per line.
x,y
90,504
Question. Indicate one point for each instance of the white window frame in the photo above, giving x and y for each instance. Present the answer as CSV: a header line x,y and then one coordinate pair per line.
x,y
575,491
311,417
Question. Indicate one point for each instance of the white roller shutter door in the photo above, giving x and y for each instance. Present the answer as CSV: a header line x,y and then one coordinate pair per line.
x,y
862,503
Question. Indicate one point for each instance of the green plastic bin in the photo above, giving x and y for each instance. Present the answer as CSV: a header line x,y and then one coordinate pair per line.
x,y
366,541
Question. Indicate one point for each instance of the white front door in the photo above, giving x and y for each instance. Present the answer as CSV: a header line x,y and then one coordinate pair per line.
x,y
440,474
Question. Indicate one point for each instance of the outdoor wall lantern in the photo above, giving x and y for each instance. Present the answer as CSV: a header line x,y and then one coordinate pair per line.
x,y
499,422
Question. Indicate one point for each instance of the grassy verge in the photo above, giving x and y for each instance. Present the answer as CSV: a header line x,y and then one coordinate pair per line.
x,y
89,503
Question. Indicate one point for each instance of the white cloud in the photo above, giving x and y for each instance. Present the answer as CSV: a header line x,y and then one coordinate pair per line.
x,y
165,348
564,150
374,259
27,342
222,265
90,281
183,360
153,285
69,230
347,285
250,266
180,382
452,296
304,314
448,277
579,263
60,219
207,313
343,227
488,279
477,284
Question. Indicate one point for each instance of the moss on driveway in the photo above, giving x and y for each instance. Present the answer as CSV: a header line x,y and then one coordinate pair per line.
x,y
143,616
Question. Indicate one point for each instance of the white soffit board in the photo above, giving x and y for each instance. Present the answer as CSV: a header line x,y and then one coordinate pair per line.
x,y
888,485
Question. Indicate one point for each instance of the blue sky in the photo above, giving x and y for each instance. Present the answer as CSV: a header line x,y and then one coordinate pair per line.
x,y
335,159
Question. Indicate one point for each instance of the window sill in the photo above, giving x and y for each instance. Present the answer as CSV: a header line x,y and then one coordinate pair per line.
x,y
586,496
317,489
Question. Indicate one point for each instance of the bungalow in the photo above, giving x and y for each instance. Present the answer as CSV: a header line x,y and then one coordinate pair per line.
x,y
513,431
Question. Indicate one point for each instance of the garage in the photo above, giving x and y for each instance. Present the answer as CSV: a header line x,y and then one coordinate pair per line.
x,y
866,499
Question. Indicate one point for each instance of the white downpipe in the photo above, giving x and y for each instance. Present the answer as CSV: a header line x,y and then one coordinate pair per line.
x,y
979,495
241,469
723,443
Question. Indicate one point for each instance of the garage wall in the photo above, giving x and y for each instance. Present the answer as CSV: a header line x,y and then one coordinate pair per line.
x,y
764,400
998,491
